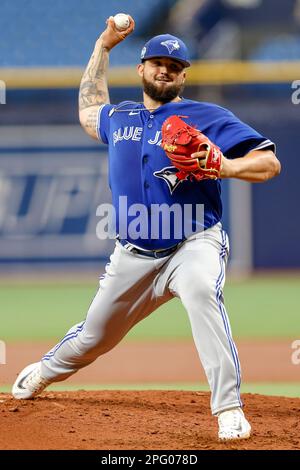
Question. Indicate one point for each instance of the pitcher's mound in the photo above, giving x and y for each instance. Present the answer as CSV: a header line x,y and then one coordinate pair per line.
x,y
141,420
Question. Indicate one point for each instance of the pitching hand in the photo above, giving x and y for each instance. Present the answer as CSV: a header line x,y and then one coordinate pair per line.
x,y
112,36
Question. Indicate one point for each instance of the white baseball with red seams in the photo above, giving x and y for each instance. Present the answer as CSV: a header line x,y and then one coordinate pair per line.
x,y
122,21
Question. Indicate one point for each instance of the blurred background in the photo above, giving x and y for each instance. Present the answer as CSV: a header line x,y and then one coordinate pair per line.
x,y
246,57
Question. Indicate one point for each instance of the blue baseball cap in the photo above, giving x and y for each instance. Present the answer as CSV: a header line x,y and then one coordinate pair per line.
x,y
166,45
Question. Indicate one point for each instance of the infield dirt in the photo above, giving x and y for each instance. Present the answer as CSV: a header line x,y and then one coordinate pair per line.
x,y
140,420
147,419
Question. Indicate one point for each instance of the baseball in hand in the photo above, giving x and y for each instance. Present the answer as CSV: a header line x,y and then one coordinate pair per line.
x,y
121,21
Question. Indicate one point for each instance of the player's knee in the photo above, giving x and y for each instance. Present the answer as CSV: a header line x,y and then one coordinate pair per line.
x,y
98,344
197,288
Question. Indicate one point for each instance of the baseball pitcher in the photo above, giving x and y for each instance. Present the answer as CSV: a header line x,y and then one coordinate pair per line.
x,y
166,151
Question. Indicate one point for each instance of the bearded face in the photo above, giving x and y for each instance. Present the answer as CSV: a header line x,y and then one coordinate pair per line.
x,y
163,78
162,92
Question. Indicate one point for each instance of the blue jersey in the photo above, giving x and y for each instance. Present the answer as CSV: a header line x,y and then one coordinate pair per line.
x,y
140,172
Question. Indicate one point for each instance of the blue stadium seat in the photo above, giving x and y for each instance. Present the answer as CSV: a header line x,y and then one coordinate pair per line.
x,y
61,33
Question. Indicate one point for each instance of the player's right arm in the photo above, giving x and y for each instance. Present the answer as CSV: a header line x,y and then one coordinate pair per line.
x,y
93,91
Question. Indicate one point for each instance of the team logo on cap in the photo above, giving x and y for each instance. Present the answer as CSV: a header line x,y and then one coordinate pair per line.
x,y
171,45
143,52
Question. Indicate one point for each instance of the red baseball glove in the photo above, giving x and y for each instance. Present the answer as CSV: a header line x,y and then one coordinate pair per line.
x,y
180,141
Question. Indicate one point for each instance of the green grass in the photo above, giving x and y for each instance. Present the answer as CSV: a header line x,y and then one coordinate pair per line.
x,y
41,312
259,307
275,389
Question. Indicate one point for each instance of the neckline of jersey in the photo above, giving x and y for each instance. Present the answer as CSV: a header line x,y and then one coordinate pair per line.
x,y
162,106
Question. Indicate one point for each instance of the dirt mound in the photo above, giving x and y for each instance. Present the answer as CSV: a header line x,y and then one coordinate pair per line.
x,y
140,420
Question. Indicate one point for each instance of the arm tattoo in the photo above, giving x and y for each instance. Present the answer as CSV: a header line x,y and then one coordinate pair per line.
x,y
93,87
92,120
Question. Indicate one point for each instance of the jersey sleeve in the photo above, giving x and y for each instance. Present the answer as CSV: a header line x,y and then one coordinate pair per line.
x,y
103,122
237,138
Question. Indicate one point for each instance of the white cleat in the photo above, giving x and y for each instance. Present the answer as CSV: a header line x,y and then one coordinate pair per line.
x,y
29,382
233,425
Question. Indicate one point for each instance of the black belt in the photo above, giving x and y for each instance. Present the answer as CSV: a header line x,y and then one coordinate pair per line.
x,y
150,253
